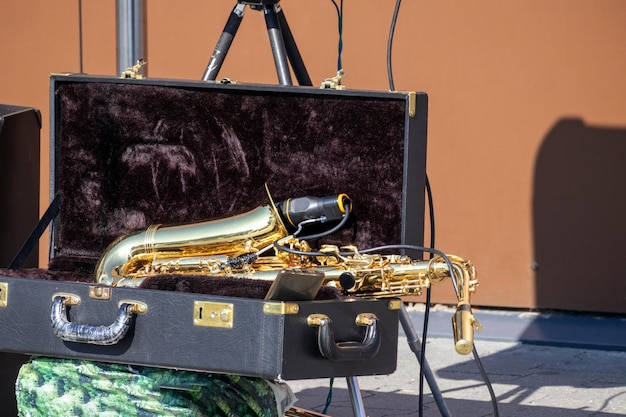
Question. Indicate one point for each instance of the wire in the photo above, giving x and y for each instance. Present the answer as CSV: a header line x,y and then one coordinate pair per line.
x,y
392,30
392,87
431,250
336,228
431,213
479,364
329,397
339,9
80,36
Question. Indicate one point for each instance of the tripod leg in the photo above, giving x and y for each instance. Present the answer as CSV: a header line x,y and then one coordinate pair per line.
x,y
414,343
293,53
224,42
278,45
358,408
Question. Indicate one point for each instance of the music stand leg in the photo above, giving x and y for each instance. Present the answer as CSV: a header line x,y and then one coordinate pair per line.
x,y
415,345
224,42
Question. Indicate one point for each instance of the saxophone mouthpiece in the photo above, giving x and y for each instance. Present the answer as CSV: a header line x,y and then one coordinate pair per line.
x,y
463,325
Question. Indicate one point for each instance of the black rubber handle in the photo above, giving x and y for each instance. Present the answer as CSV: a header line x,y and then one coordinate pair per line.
x,y
87,333
332,350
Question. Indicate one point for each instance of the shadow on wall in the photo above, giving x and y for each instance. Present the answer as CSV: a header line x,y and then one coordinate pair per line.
x,y
579,218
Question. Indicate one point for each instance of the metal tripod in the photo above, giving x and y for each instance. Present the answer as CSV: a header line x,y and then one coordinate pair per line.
x,y
285,52
283,45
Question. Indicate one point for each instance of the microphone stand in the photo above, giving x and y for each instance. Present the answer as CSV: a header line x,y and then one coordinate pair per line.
x,y
284,48
285,52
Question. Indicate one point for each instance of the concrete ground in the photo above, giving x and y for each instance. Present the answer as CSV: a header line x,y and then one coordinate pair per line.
x,y
538,365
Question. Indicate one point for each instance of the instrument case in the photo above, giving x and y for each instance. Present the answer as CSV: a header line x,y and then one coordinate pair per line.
x,y
129,153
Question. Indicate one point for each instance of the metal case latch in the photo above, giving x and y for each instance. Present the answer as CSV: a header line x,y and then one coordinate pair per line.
x,y
212,314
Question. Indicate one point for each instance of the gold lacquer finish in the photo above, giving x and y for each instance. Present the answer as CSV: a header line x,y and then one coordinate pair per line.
x,y
463,321
199,248
4,294
256,245
211,314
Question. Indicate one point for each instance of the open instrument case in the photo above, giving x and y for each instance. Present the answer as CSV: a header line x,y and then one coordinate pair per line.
x,y
129,153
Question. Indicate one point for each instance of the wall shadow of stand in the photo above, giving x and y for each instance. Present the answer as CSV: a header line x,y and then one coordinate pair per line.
x,y
579,218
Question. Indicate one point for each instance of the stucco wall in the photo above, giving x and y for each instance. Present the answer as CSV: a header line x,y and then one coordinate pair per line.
x,y
527,123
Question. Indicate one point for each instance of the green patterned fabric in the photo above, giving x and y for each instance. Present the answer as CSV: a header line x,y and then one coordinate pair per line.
x,y
49,387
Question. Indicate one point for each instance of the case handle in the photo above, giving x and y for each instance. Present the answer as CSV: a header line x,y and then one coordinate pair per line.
x,y
87,333
351,350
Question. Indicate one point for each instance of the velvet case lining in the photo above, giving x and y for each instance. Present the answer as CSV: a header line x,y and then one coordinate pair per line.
x,y
128,155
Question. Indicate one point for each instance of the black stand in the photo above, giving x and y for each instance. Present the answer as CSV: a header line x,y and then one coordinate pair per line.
x,y
415,345
284,48
281,39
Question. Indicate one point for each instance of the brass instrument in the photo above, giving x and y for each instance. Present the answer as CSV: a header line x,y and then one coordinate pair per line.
x,y
238,247
209,243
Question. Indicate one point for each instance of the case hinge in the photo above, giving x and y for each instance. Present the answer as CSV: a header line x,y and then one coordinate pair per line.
x,y
281,308
4,294
412,102
334,82
134,71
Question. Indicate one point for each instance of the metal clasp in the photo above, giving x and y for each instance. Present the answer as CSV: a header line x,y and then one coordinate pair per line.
x,y
212,314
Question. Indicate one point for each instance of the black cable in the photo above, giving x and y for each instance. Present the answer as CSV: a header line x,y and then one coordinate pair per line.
x,y
392,87
80,36
329,396
431,251
336,228
479,364
340,30
431,213
389,45
494,402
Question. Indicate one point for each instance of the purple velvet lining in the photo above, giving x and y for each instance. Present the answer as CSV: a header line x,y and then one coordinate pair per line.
x,y
223,286
131,155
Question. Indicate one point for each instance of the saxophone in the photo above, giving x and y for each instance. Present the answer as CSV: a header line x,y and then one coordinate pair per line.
x,y
257,245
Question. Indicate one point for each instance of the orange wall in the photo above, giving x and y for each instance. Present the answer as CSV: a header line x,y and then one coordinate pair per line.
x,y
511,84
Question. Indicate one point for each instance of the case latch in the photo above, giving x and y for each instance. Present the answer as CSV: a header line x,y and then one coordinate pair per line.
x,y
212,314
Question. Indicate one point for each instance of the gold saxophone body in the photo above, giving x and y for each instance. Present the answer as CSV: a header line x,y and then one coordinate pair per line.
x,y
243,246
